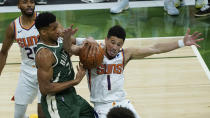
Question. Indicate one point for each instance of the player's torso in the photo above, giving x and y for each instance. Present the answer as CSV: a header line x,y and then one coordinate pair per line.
x,y
107,80
27,39
62,69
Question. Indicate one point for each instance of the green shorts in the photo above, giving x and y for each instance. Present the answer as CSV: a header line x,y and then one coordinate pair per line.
x,y
66,106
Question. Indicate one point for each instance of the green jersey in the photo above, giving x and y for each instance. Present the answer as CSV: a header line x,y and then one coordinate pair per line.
x,y
64,104
62,69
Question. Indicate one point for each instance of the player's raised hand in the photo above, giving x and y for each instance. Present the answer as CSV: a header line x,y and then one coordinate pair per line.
x,y
67,38
68,32
192,39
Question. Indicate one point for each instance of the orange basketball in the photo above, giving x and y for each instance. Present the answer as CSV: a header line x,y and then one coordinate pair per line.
x,y
91,61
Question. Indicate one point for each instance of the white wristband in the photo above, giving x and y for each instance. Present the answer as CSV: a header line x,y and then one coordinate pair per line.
x,y
79,41
181,43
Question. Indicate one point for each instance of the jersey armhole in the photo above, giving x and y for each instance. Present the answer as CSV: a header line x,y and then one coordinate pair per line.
x,y
15,30
53,55
123,61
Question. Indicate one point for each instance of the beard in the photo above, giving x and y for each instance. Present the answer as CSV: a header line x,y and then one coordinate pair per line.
x,y
29,14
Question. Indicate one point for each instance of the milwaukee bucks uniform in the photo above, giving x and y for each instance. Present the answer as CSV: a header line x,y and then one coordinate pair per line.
x,y
65,104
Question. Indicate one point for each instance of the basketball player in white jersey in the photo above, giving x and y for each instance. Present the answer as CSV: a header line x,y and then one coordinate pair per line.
x,y
107,80
25,33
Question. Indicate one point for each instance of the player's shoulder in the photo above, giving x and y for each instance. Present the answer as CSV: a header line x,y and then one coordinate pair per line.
x,y
44,53
13,24
43,50
44,57
11,29
16,20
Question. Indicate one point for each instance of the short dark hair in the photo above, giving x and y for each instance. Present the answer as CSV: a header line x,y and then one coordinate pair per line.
x,y
44,20
120,112
117,31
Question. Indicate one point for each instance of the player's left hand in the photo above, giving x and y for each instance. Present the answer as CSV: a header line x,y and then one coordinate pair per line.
x,y
67,37
68,32
93,46
192,39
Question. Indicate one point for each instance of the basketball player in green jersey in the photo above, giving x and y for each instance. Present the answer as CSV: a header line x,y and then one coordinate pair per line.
x,y
56,76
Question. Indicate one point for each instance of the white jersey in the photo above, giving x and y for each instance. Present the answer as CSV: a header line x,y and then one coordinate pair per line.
x,y
107,80
27,40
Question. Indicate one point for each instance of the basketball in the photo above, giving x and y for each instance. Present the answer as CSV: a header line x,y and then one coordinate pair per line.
x,y
91,61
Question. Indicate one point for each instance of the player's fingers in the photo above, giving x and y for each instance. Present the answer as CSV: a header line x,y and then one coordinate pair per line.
x,y
188,31
75,30
197,35
71,26
97,48
197,45
194,34
91,51
199,39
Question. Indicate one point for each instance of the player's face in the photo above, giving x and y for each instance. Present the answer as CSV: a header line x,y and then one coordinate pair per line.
x,y
27,7
52,31
113,46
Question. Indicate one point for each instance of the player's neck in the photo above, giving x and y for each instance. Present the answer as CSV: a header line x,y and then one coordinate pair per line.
x,y
27,21
48,42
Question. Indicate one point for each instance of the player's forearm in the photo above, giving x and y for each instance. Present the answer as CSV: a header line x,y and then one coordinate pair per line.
x,y
75,50
67,43
80,41
3,58
166,47
54,88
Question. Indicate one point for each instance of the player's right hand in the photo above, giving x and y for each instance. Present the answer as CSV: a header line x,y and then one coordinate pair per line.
x,y
93,46
80,73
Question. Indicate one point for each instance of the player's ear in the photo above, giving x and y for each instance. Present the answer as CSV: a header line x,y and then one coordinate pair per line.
x,y
43,31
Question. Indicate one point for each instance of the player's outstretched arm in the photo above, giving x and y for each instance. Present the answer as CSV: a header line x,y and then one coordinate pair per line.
x,y
139,53
7,43
44,62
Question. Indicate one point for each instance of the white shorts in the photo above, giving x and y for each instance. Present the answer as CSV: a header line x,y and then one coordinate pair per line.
x,y
27,88
103,108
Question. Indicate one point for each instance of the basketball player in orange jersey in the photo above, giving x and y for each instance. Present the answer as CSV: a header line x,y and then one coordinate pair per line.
x,y
25,33
106,81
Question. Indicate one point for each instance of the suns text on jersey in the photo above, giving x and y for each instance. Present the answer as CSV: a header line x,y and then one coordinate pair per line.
x,y
27,42
109,69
